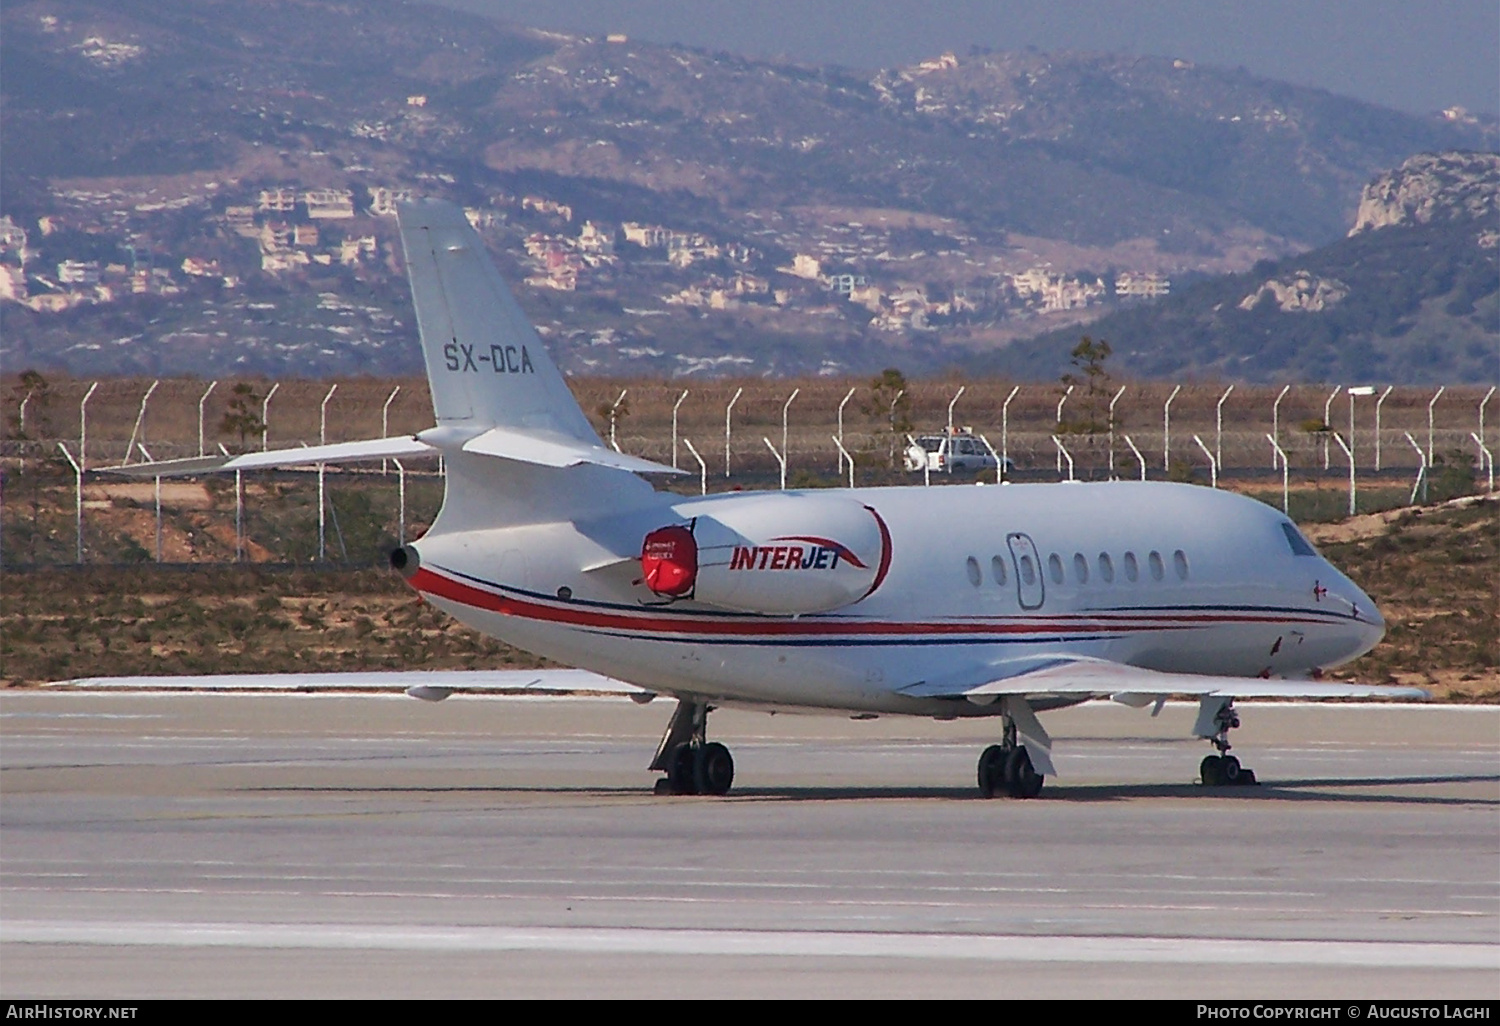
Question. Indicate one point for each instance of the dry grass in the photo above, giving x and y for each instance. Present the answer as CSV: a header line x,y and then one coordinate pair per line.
x,y
1435,574
93,621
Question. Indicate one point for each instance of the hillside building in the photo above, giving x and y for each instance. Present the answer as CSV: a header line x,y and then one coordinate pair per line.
x,y
329,204
1143,285
277,201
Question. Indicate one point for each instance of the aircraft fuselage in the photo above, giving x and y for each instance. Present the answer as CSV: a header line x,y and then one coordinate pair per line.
x,y
1165,577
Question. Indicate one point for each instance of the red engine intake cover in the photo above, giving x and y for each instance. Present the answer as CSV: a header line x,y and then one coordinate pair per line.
x,y
669,558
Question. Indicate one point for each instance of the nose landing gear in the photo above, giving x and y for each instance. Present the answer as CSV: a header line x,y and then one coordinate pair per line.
x,y
1216,718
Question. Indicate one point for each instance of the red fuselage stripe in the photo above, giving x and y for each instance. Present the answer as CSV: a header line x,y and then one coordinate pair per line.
x,y
442,586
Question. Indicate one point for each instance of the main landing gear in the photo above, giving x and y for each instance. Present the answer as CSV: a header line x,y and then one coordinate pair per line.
x,y
1006,768
1216,718
692,763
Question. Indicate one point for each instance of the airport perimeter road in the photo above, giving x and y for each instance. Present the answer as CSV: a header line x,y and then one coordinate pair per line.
x,y
237,845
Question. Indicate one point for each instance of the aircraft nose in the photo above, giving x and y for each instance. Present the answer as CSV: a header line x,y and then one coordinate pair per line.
x,y
1364,611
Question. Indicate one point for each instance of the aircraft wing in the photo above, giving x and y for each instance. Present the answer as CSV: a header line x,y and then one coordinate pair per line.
x,y
1097,678
432,685
336,452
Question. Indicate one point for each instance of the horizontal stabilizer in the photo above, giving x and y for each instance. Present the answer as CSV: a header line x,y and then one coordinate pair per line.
x,y
557,451
1099,679
306,455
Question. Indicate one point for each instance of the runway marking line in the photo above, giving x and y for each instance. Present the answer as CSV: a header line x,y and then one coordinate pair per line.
x,y
772,943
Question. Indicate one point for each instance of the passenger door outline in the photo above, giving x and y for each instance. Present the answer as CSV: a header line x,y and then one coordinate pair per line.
x,y
1029,595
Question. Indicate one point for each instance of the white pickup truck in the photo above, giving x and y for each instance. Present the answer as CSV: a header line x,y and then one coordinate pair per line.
x,y
946,453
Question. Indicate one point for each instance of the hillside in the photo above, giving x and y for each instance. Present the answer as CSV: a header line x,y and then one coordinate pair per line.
x,y
1412,294
671,210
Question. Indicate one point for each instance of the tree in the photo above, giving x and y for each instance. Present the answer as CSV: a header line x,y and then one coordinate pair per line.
x,y
1088,410
242,417
890,401
38,390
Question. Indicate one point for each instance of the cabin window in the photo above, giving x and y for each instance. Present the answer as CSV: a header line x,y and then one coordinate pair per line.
x,y
1028,572
1106,568
1132,570
997,570
1054,564
1081,567
1158,570
972,566
1180,564
1294,538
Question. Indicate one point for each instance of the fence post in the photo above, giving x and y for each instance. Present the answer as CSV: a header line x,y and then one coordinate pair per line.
x,y
140,419
702,467
1060,449
841,429
1112,431
779,459
77,499
894,401
83,427
728,414
1482,404
1356,390
1276,451
675,405
1061,452
1276,422
239,517
385,421
844,455
1166,431
401,502
1349,452
1213,464
1005,425
323,415
961,390
614,412
1328,421
1219,429
1421,470
785,451
1138,457
265,415
210,391
1430,405
1485,457
1383,396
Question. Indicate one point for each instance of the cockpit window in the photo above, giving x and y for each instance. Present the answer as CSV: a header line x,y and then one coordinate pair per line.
x,y
1294,538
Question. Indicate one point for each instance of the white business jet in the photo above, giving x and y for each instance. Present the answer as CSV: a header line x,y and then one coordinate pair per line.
x,y
945,602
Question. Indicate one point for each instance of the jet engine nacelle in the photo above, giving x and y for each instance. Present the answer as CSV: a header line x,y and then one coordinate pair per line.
x,y
779,554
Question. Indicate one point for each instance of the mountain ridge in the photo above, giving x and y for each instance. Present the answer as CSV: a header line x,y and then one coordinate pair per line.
x,y
137,127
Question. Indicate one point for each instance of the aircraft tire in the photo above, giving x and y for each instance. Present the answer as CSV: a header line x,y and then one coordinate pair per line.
x,y
713,769
992,771
681,777
1021,778
1229,770
1211,770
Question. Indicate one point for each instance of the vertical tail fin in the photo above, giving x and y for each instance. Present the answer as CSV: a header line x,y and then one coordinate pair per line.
x,y
486,365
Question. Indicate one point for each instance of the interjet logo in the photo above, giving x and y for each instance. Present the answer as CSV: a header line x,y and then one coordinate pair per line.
x,y
816,554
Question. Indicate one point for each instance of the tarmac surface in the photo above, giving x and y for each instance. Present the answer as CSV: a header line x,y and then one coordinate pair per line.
x,y
361,846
